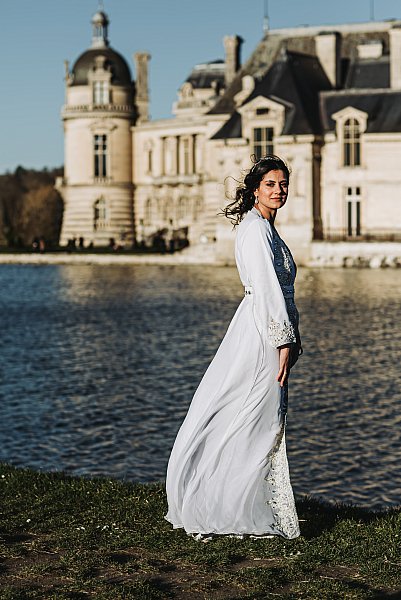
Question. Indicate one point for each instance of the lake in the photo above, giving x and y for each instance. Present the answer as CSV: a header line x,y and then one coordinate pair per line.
x,y
99,364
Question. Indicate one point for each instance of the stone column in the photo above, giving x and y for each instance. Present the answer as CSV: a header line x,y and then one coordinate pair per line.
x,y
141,86
395,57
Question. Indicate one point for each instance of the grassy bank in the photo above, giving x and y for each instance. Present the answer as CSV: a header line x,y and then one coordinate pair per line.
x,y
67,537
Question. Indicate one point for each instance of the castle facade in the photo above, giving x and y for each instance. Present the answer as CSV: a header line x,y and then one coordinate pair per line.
x,y
327,99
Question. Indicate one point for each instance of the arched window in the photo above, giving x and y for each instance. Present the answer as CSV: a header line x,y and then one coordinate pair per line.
x,y
352,143
99,214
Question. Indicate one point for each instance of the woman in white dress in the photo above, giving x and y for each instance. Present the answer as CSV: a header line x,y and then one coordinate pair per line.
x,y
228,470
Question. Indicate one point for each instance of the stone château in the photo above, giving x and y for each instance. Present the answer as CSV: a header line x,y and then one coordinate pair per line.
x,y
325,98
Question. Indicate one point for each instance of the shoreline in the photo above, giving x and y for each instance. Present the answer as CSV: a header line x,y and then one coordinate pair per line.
x,y
323,256
61,258
68,536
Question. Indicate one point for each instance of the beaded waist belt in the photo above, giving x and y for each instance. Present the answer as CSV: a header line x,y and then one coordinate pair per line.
x,y
288,290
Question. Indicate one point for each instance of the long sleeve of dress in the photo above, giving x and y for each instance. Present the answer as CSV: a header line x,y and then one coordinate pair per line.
x,y
269,303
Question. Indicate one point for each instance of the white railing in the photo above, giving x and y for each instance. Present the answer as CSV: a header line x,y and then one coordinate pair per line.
x,y
75,108
102,180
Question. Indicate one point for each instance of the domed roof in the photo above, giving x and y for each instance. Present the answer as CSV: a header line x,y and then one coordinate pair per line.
x,y
121,74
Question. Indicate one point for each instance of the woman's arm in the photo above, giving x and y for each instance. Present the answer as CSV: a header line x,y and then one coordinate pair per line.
x,y
270,307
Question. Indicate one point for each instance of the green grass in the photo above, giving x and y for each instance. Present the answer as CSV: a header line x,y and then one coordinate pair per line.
x,y
69,537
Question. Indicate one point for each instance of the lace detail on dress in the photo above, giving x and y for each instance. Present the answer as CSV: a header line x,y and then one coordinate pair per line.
x,y
286,270
281,333
283,262
282,498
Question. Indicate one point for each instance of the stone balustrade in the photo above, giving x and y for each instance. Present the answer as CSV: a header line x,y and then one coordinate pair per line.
x,y
75,109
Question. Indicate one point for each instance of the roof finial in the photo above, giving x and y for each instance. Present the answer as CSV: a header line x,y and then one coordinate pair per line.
x,y
100,23
266,16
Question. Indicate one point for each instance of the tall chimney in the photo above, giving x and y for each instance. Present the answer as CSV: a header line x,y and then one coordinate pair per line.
x,y
141,86
232,46
328,51
395,57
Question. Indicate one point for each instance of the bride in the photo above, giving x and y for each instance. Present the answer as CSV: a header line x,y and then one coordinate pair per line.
x,y
228,470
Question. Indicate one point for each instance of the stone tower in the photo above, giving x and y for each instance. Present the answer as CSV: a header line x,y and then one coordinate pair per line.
x,y
98,114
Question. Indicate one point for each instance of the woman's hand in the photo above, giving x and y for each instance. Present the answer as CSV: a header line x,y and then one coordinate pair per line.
x,y
284,357
295,352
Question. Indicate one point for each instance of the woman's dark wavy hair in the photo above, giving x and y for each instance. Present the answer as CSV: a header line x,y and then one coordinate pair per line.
x,y
245,192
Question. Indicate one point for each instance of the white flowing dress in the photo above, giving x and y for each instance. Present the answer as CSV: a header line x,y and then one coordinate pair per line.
x,y
228,470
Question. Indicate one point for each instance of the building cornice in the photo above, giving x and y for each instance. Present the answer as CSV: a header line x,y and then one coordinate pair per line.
x,y
171,124
95,184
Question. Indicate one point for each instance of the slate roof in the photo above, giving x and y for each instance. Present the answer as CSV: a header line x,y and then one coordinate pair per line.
x,y
383,108
258,64
296,80
287,70
366,74
231,128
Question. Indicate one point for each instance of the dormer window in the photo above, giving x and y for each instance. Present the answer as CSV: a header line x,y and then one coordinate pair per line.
x,y
262,111
100,92
262,121
351,143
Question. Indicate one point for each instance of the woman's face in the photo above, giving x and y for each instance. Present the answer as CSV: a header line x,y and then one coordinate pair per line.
x,y
272,191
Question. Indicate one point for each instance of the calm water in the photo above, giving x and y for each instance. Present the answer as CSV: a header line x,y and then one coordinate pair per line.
x,y
99,365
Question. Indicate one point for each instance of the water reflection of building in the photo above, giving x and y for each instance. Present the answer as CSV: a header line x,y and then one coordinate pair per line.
x,y
325,98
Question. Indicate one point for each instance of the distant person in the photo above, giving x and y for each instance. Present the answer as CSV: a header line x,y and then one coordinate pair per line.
x,y
71,244
42,245
81,243
228,470
159,243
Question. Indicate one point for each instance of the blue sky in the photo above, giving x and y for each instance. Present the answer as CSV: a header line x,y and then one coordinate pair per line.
x,y
37,35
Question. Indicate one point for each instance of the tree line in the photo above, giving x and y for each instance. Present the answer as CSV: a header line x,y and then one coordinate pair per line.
x,y
30,207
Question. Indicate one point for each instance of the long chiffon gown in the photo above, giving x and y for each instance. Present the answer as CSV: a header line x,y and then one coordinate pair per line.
x,y
228,470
